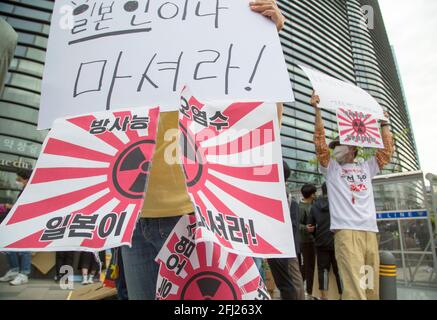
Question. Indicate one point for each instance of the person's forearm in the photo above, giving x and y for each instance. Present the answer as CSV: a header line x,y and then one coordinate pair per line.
x,y
322,150
280,109
383,156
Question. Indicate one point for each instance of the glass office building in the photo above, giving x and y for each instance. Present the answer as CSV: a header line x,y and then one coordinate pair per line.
x,y
20,142
328,35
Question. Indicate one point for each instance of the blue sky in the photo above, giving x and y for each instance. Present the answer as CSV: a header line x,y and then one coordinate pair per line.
x,y
412,29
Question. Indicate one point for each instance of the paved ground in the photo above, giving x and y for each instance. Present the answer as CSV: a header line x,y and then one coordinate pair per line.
x,y
49,290
34,290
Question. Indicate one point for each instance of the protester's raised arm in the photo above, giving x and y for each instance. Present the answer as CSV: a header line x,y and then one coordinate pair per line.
x,y
383,156
322,150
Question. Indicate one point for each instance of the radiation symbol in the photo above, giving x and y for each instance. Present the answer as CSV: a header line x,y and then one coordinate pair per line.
x,y
209,286
193,167
131,170
359,126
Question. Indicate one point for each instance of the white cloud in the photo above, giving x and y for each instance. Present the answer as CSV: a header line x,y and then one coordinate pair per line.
x,y
411,27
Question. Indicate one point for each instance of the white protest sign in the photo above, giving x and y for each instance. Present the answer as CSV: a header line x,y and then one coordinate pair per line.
x,y
232,160
359,129
87,189
335,94
104,55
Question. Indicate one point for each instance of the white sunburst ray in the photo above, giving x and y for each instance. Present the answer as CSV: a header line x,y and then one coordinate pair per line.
x,y
283,231
12,233
236,265
250,120
56,161
47,190
75,242
250,274
71,133
121,135
271,190
209,252
224,254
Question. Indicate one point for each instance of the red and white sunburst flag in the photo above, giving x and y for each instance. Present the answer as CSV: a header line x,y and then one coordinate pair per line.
x,y
204,271
232,160
87,188
359,129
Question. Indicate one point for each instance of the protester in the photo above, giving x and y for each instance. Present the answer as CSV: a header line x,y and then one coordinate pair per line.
x,y
352,208
285,271
89,266
166,198
306,238
19,262
324,242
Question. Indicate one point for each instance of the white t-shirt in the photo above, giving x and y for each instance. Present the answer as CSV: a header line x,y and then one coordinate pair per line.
x,y
350,192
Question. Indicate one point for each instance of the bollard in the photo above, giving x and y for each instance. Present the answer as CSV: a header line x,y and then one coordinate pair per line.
x,y
387,276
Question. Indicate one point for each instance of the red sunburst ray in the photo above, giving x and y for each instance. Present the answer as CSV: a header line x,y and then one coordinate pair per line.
x,y
248,172
42,207
63,148
43,175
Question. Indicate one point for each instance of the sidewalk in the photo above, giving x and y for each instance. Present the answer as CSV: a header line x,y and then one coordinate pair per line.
x,y
36,289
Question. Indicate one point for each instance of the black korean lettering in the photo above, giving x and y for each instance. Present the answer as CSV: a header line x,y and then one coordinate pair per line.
x,y
173,263
185,108
119,126
107,225
216,55
176,69
115,76
216,12
244,231
168,10
78,26
139,123
94,70
132,7
165,288
213,227
185,246
229,67
146,77
234,228
82,225
220,125
54,229
121,219
99,126
199,116
104,12
221,224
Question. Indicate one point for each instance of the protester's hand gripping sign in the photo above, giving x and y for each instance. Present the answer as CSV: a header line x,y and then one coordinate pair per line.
x,y
109,54
232,160
204,271
88,185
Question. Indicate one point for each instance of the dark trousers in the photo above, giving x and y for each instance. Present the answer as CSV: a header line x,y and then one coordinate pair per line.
x,y
63,258
308,265
326,259
287,277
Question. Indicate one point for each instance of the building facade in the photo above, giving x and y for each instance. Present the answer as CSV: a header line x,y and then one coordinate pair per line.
x,y
20,142
328,35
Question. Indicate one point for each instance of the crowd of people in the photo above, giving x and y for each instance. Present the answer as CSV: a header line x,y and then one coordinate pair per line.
x,y
334,231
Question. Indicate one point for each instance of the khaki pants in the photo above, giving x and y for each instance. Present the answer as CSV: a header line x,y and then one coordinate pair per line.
x,y
357,256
